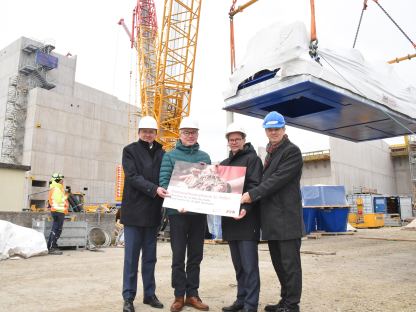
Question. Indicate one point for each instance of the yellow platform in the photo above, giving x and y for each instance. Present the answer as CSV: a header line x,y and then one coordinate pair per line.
x,y
371,220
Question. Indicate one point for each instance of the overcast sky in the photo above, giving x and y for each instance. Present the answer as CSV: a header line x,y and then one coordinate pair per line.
x,y
89,29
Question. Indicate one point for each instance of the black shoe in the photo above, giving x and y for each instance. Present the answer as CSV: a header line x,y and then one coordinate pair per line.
x,y
286,309
128,306
153,302
235,307
275,307
54,251
248,310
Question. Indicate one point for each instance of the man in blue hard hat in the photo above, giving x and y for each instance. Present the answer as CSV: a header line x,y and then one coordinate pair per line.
x,y
281,211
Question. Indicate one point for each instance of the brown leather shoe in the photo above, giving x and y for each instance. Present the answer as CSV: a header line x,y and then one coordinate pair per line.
x,y
197,303
177,305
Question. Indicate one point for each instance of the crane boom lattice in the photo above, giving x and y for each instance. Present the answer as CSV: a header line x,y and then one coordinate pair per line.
x,y
175,70
147,42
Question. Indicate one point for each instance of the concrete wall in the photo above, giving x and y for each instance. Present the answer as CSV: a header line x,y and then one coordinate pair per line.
x,y
366,164
317,172
402,175
12,189
80,136
362,164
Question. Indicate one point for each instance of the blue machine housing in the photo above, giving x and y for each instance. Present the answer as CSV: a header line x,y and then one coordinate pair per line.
x,y
313,104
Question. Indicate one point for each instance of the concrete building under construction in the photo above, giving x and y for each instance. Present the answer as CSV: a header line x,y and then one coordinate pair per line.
x,y
372,165
51,123
54,124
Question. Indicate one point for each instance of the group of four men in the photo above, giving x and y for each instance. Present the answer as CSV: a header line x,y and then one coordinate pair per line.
x,y
271,201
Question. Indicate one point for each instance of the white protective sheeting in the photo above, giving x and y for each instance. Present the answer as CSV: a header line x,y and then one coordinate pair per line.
x,y
17,240
287,47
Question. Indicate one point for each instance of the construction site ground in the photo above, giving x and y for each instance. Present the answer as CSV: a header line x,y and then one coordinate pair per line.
x,y
340,273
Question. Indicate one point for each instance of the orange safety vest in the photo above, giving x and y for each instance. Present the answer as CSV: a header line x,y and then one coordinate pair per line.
x,y
57,198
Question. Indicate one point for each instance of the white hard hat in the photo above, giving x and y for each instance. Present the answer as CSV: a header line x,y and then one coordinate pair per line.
x,y
148,122
188,122
235,127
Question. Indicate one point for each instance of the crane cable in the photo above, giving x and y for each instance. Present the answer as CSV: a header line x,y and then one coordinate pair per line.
x,y
397,25
355,87
359,23
232,46
389,16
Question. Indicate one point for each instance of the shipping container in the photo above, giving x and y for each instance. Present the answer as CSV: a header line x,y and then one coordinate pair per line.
x,y
395,208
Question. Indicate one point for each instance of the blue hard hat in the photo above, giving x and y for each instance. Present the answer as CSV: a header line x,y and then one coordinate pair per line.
x,y
273,120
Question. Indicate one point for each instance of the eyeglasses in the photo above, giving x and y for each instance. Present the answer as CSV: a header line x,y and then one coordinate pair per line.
x,y
188,133
235,140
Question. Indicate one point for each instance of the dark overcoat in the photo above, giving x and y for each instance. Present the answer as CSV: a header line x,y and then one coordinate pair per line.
x,y
247,228
141,206
279,194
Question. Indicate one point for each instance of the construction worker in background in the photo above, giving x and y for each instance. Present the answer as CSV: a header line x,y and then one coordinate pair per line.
x,y
141,213
243,232
187,229
58,204
281,211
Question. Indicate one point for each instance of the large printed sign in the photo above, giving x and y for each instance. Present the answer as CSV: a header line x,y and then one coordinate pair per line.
x,y
209,189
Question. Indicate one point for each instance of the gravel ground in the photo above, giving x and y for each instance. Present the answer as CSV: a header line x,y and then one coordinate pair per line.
x,y
362,275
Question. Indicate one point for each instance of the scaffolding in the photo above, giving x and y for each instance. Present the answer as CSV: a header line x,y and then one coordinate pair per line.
x,y
147,35
14,119
35,62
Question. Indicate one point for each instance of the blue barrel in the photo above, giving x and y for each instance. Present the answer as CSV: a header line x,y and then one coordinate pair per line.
x,y
309,219
333,220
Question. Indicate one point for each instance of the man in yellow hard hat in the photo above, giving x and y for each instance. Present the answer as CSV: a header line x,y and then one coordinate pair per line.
x,y
59,208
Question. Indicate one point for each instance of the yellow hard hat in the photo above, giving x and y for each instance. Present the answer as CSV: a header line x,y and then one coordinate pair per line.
x,y
57,176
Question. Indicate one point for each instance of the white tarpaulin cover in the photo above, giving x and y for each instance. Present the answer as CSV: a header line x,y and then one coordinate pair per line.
x,y
17,240
287,47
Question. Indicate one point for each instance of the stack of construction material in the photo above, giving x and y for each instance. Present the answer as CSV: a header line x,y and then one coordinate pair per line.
x,y
324,208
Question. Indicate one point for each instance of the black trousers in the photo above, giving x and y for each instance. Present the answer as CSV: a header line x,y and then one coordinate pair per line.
x,y
187,233
286,261
57,225
246,264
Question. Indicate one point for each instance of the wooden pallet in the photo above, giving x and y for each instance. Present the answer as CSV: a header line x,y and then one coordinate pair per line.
x,y
314,236
336,233
317,235
215,242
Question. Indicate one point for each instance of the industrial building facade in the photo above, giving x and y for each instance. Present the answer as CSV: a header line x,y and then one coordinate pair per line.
x,y
367,165
54,124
